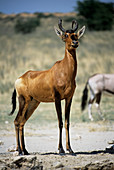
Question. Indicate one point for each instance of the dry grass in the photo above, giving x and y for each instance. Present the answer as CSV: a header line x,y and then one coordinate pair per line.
x,y
40,50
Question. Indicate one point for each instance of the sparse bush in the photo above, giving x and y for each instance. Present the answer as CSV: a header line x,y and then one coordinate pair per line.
x,y
42,15
26,26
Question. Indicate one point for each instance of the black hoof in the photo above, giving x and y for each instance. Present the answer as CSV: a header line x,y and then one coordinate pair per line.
x,y
61,151
26,152
20,152
71,151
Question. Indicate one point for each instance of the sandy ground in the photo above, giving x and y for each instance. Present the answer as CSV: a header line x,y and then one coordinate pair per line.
x,y
89,142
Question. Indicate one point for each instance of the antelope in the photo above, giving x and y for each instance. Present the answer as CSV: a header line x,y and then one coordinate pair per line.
x,y
98,84
51,85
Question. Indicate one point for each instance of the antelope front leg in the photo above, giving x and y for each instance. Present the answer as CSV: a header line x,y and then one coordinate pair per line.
x,y
67,115
59,114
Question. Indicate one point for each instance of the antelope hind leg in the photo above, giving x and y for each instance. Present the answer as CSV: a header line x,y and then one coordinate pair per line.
x,y
31,107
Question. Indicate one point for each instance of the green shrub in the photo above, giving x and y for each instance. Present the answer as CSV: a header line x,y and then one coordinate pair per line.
x,y
98,15
26,26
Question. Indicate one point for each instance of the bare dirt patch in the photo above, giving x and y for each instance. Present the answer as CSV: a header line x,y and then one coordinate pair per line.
x,y
89,142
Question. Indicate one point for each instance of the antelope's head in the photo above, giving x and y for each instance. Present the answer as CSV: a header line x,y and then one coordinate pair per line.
x,y
69,36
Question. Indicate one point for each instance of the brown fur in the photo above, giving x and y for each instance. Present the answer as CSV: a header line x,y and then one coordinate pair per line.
x,y
52,85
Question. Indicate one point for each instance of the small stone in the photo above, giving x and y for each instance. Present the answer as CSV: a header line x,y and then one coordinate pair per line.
x,y
58,165
16,153
1,142
31,158
78,137
111,142
6,122
110,148
11,149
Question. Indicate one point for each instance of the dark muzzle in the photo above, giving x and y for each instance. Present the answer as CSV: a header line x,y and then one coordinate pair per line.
x,y
75,44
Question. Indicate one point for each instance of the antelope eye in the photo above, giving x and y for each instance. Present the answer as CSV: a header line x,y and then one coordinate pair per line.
x,y
66,36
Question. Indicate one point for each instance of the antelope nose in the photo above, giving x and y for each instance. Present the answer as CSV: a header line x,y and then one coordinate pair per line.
x,y
75,42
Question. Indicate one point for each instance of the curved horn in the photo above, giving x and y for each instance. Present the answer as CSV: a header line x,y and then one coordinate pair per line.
x,y
76,25
60,25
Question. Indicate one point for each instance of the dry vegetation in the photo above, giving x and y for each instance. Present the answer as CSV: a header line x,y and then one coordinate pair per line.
x,y
41,49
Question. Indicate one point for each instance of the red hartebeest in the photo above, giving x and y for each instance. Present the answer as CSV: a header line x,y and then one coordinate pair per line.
x,y
52,85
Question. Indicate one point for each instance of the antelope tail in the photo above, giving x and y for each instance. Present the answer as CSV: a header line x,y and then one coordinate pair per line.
x,y
84,97
13,102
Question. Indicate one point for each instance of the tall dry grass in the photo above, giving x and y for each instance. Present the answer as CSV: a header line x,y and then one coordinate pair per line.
x,y
41,49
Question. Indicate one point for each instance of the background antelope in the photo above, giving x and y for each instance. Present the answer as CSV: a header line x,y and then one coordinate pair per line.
x,y
52,85
98,84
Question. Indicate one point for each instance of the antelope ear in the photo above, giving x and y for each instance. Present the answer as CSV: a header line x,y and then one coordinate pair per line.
x,y
81,32
59,33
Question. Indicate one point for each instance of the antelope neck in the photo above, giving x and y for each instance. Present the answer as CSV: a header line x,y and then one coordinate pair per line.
x,y
70,55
